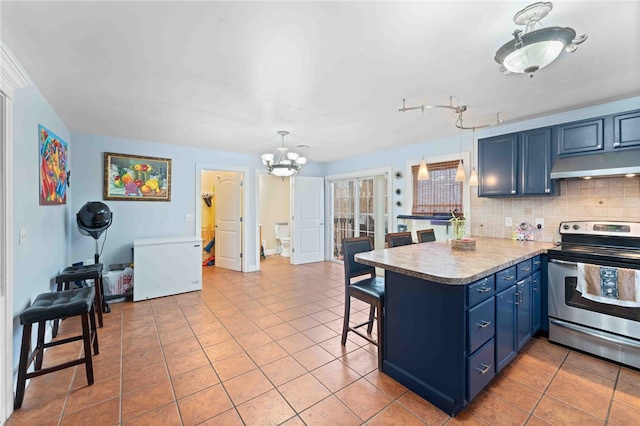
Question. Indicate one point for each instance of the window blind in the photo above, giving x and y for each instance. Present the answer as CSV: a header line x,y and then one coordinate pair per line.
x,y
441,193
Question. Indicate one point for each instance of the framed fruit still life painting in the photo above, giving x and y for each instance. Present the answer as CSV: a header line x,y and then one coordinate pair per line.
x,y
136,178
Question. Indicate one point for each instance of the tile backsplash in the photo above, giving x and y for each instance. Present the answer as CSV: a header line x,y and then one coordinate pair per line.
x,y
579,199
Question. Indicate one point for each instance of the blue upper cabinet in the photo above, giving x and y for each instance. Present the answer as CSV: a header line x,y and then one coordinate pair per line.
x,y
497,165
535,162
626,130
581,137
515,164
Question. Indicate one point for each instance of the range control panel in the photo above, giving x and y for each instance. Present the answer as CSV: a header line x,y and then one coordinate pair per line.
x,y
622,229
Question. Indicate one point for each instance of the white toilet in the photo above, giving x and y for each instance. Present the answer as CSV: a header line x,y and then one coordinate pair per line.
x,y
283,240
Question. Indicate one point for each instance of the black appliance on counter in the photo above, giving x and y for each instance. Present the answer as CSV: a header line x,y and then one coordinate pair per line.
x,y
603,325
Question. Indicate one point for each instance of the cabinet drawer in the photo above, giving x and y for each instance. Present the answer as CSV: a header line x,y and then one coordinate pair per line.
x,y
505,278
480,290
480,369
481,324
537,263
524,269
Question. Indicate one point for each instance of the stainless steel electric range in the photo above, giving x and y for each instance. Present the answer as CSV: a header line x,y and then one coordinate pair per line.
x,y
602,324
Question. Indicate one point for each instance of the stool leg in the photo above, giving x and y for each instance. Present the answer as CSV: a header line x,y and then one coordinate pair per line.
x,y
56,322
94,330
86,335
22,368
99,298
40,345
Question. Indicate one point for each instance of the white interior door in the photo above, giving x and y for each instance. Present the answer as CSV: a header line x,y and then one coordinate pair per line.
x,y
228,228
307,221
5,352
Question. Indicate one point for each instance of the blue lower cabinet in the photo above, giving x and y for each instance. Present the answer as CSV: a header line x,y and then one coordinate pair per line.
x,y
480,369
524,309
536,288
506,344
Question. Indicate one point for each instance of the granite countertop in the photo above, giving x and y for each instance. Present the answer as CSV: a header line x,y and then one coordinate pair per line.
x,y
436,261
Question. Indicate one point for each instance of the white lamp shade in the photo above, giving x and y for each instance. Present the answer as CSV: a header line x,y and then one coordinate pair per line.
x,y
473,179
302,160
293,156
423,171
537,55
460,174
267,158
283,171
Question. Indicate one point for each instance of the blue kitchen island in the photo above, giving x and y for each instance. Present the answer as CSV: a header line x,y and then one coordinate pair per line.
x,y
454,319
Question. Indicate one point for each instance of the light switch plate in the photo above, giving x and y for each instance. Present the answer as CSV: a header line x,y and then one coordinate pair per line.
x,y
22,238
507,221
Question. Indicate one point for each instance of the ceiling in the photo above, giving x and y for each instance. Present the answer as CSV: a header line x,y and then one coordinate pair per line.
x,y
229,75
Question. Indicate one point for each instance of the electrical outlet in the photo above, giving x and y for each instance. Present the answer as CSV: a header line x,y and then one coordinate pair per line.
x,y
539,223
188,218
508,221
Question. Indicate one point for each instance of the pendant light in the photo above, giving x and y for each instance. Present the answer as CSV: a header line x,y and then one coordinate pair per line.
x,y
460,174
423,171
473,179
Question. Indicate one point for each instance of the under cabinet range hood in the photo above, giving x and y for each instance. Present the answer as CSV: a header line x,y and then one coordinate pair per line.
x,y
606,164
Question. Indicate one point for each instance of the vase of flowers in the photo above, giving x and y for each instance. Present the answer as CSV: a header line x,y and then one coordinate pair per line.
x,y
458,223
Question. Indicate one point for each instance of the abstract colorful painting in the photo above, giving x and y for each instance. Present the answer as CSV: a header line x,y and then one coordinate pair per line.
x,y
53,168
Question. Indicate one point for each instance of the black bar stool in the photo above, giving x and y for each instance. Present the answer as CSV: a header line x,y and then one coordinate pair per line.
x,y
80,273
51,306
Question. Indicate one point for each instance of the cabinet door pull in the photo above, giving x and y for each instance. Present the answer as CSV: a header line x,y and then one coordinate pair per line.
x,y
535,289
526,269
485,369
517,298
513,191
484,324
616,144
508,277
484,289
537,262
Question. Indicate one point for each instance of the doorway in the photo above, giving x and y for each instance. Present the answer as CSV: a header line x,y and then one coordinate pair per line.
x,y
220,217
274,197
359,206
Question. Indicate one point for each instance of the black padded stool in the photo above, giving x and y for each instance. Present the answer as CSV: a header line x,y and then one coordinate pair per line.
x,y
79,273
51,306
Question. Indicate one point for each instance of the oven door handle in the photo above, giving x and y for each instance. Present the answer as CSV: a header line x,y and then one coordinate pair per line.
x,y
563,262
619,340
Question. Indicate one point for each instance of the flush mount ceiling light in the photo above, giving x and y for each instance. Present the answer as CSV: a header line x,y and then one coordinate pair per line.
x,y
287,163
534,48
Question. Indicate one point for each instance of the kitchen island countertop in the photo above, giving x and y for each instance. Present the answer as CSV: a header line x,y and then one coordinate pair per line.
x,y
437,262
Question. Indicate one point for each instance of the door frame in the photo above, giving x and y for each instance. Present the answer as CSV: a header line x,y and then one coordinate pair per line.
x,y
12,78
328,180
247,194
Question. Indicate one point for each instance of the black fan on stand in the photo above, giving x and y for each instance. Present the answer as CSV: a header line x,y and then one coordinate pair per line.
x,y
93,219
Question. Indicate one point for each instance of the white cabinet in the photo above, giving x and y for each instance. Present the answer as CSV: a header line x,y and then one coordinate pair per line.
x,y
166,266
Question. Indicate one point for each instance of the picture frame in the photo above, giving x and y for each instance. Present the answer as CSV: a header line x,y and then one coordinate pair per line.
x,y
136,178
52,162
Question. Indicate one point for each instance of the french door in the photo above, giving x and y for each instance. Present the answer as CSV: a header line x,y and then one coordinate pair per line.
x,y
359,207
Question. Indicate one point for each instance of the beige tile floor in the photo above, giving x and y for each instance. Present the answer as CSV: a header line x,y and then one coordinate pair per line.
x,y
264,349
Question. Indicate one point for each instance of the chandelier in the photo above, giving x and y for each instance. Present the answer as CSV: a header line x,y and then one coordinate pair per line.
x,y
287,163
534,48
